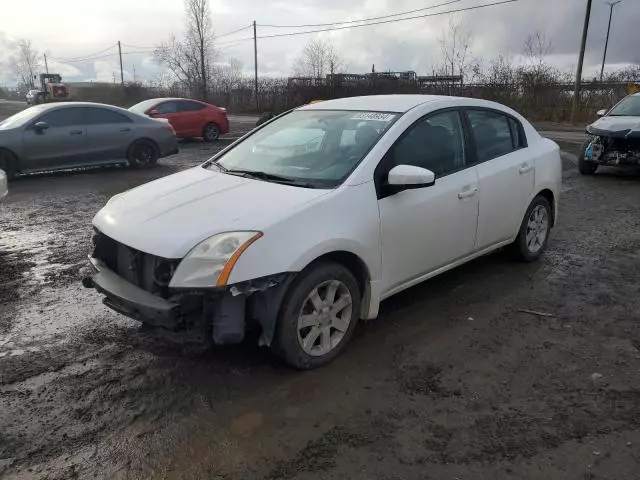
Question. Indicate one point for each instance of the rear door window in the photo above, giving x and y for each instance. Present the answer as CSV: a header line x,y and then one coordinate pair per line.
x,y
167,107
493,134
185,106
99,116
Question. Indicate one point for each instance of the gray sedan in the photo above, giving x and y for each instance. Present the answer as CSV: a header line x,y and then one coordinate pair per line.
x,y
74,134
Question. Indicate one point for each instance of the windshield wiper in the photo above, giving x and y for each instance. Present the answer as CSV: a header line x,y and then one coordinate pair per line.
x,y
269,177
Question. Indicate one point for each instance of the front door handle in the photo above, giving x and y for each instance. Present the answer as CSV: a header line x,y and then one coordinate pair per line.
x,y
525,168
125,129
76,132
470,192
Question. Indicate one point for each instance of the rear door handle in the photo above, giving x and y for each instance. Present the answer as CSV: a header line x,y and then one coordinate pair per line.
x,y
470,192
526,168
76,132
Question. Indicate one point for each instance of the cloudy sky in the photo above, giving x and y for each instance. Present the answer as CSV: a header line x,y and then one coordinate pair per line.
x,y
74,30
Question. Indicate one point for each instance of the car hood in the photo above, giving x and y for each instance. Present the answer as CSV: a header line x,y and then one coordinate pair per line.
x,y
613,124
170,216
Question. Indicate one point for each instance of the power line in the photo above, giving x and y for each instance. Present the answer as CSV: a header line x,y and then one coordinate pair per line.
x,y
67,59
306,32
98,57
235,31
364,19
138,46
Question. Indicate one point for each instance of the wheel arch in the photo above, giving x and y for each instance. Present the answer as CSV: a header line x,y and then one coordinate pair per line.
x,y
358,269
15,157
550,197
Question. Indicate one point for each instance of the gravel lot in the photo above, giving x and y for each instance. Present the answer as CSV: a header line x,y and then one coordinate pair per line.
x,y
453,381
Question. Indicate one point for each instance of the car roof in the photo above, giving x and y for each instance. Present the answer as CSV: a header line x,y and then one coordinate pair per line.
x,y
45,107
377,103
172,99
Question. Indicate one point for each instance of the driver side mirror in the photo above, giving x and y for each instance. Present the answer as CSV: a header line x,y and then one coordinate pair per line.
x,y
601,113
40,126
409,177
153,113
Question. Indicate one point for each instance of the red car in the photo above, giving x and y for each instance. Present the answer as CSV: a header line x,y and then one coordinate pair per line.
x,y
189,118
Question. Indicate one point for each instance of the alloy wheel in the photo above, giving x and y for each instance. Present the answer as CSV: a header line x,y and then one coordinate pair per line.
x,y
324,318
537,228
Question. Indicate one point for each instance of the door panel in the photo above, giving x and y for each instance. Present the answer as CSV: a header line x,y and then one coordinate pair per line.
x,y
109,135
170,111
423,230
61,145
506,176
506,184
191,114
428,228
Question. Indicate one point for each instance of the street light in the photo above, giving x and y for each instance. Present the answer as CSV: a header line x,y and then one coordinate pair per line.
x,y
606,44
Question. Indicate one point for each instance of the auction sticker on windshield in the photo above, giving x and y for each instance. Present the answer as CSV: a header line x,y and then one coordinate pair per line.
x,y
381,117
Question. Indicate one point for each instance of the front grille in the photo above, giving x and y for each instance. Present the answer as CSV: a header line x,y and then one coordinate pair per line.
x,y
144,270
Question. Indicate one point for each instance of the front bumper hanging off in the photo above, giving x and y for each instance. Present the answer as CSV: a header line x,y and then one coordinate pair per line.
x,y
130,300
224,313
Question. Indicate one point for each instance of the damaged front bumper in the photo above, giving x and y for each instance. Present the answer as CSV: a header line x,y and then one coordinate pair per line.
x,y
613,148
223,314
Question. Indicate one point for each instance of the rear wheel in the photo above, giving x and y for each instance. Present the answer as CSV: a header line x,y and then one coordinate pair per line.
x,y
534,231
211,132
318,316
143,154
8,163
584,166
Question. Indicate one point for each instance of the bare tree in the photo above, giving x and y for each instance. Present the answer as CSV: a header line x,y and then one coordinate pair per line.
x,y
537,47
455,43
25,62
317,59
228,75
190,59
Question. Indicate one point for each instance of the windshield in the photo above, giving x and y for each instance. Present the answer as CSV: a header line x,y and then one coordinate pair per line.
x,y
143,106
629,107
312,147
22,117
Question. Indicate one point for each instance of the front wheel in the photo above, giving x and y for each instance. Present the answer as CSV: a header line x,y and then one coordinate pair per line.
x,y
534,232
143,154
318,316
211,132
585,167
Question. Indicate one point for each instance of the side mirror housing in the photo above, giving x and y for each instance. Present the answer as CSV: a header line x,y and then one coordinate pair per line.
x,y
601,113
40,126
409,177
153,113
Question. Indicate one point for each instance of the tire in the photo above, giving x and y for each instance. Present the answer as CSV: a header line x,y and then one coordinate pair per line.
x,y
318,324
143,154
8,163
531,243
585,167
210,132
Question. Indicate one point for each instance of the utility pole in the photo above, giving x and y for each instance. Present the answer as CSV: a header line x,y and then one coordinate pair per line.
x,y
255,58
134,73
583,46
46,65
121,70
606,43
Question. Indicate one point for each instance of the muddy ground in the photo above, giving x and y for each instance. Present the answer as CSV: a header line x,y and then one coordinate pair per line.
x,y
452,381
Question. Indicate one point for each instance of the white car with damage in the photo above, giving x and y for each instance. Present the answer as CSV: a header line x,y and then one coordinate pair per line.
x,y
614,139
306,224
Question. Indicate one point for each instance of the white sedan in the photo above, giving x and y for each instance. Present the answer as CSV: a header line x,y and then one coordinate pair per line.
x,y
306,224
3,184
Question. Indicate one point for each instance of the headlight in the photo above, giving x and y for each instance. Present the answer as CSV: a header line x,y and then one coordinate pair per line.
x,y
211,261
